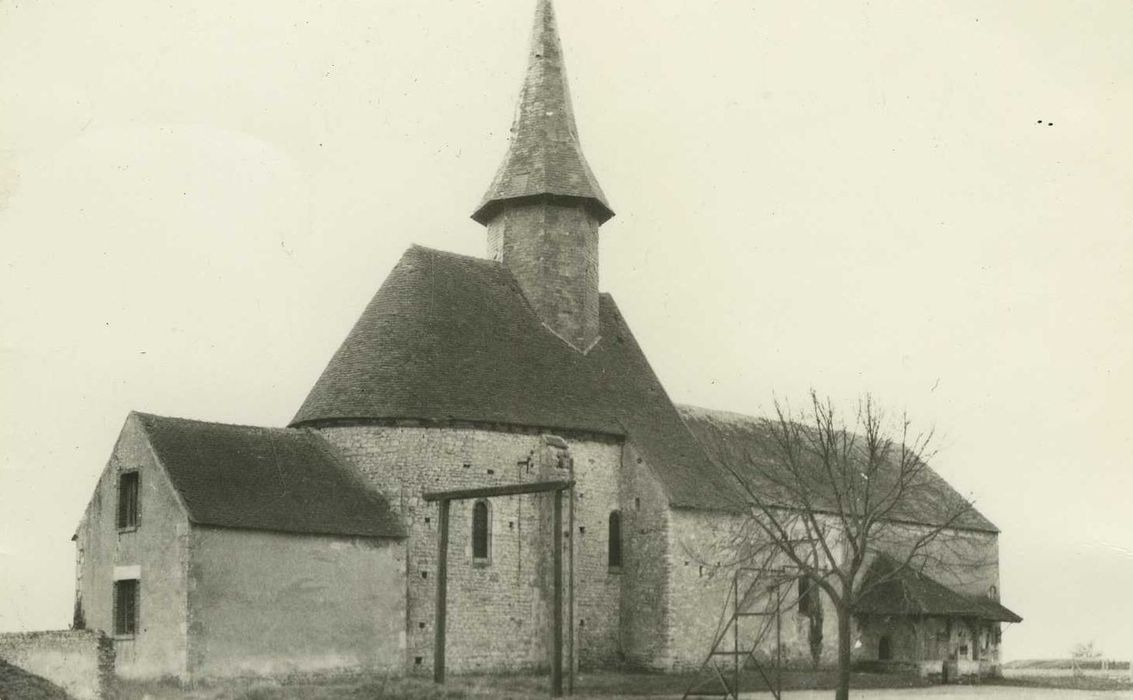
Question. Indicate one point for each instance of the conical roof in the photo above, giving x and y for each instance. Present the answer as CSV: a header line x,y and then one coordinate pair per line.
x,y
544,157
450,338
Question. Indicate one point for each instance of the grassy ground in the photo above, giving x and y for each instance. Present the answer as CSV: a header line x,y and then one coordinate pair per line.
x,y
1067,682
352,688
18,684
607,684
603,684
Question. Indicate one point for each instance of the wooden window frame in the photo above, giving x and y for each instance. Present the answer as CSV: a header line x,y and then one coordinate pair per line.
x,y
128,518
126,627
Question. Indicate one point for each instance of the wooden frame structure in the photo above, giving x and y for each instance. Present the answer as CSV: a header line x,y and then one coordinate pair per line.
x,y
444,499
770,617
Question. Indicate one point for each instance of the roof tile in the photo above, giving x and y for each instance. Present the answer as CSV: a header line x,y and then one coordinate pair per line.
x,y
278,479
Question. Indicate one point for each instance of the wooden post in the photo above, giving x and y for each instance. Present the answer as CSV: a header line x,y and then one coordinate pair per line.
x,y
572,632
557,612
736,634
444,498
442,590
779,639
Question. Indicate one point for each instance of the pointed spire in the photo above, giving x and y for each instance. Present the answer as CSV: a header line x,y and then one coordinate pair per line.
x,y
544,157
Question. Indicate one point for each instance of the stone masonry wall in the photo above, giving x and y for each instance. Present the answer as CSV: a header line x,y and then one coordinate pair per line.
x,y
155,552
79,661
552,250
701,577
963,560
498,611
279,604
646,562
701,581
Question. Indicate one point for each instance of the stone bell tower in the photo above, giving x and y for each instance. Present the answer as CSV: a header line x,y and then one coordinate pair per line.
x,y
544,206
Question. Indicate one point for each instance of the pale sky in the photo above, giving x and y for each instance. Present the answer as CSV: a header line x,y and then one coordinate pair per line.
x,y
198,199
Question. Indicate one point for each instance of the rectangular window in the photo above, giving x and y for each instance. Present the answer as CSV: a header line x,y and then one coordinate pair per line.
x,y
126,607
128,500
804,596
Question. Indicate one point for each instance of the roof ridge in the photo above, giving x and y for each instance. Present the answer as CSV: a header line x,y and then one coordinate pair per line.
x,y
198,421
417,247
684,408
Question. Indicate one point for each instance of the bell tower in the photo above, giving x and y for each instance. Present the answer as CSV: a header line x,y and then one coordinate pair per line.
x,y
544,206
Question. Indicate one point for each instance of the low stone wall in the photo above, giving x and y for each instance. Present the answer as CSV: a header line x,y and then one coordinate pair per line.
x,y
79,661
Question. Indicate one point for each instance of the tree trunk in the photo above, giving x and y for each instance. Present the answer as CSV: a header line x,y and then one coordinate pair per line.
x,y
844,633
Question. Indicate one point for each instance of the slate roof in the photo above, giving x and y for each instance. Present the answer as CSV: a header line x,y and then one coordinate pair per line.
x,y
544,156
277,479
745,443
912,592
452,338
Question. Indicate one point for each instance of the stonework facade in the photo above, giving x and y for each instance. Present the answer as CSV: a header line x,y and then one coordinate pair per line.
x,y
221,601
275,551
81,662
704,547
552,249
155,552
498,609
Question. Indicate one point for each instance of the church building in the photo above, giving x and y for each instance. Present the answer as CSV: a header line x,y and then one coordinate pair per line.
x,y
211,550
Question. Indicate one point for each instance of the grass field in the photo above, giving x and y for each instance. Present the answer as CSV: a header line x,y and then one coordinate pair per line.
x,y
601,684
1092,679
17,685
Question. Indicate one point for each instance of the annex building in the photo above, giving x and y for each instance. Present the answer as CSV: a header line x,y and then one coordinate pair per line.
x,y
215,550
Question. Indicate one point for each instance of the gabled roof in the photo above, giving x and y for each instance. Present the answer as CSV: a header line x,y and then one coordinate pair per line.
x,y
911,592
746,444
452,338
277,479
544,157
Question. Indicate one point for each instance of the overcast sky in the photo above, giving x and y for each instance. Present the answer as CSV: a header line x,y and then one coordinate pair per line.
x,y
929,201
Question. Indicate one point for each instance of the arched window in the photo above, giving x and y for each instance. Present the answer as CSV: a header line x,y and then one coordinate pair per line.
x,y
884,653
481,531
615,552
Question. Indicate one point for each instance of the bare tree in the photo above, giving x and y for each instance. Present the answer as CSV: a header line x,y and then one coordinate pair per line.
x,y
1083,656
833,493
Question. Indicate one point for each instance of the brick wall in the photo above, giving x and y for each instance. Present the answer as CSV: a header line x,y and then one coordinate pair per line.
x,y
79,661
498,612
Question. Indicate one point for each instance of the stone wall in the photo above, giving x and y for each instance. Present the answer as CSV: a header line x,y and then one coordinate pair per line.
x,y
498,610
932,638
276,604
646,635
703,554
963,560
79,661
552,250
155,552
701,579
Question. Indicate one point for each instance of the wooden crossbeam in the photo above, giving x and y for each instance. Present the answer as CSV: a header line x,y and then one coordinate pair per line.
x,y
444,499
489,491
